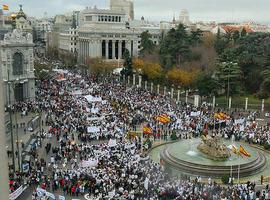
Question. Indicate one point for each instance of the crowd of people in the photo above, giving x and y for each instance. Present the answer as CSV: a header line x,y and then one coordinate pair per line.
x,y
89,151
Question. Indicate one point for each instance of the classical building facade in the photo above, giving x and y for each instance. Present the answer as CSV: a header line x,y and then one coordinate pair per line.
x,y
123,5
107,33
17,61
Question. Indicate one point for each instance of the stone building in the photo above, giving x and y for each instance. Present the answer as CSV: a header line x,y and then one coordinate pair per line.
x,y
123,5
17,61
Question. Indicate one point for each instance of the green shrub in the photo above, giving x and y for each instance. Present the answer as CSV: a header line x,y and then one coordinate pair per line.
x,y
266,146
225,179
173,136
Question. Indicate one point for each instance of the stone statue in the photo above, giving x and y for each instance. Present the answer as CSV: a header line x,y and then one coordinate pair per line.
x,y
213,148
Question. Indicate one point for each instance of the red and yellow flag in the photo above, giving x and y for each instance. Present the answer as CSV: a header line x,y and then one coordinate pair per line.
x,y
235,150
5,7
147,130
221,116
244,152
163,118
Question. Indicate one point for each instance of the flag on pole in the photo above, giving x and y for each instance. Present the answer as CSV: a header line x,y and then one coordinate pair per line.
x,y
235,150
147,130
5,7
244,152
163,119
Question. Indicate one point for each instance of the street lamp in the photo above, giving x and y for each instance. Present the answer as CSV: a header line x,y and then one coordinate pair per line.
x,y
13,84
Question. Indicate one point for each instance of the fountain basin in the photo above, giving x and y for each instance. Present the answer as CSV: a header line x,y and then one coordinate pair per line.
x,y
185,157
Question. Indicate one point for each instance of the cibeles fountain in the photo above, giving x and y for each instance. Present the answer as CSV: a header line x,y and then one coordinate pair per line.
x,y
214,148
210,157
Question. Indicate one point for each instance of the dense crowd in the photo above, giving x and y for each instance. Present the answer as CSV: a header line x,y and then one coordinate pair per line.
x,y
90,153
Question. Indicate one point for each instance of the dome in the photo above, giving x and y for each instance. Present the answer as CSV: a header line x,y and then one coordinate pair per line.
x,y
21,13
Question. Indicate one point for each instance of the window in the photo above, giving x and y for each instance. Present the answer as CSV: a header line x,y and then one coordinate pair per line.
x,y
116,18
119,19
88,18
105,18
17,64
109,18
102,18
99,18
112,18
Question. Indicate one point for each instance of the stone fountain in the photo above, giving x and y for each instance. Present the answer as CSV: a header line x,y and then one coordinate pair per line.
x,y
213,148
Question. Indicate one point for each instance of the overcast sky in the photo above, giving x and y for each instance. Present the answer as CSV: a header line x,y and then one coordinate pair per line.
x,y
156,10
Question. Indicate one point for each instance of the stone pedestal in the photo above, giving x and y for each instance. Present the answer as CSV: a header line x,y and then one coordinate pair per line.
x,y
230,103
140,81
165,88
214,102
196,100
246,104
134,79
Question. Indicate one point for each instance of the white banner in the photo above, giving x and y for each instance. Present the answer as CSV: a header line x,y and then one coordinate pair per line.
x,y
195,114
14,195
112,143
89,163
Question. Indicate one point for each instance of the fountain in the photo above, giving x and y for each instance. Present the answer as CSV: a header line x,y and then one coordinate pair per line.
x,y
213,148
211,158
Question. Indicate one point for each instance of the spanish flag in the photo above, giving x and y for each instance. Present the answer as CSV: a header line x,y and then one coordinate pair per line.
x,y
5,7
235,150
244,152
147,130
163,118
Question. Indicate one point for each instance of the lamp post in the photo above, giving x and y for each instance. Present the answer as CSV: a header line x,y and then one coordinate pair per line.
x,y
13,85
11,124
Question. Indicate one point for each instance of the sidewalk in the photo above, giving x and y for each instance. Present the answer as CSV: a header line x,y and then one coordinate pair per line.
x,y
23,136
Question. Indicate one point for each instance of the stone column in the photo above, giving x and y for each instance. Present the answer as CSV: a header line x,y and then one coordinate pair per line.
x,y
172,93
214,102
230,103
120,49
128,46
107,49
158,88
196,100
128,80
124,78
134,79
165,91
178,95
151,87
246,104
113,49
145,85
186,96
263,105
4,179
140,81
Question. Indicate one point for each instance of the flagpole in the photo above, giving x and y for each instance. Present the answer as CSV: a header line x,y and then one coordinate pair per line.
x,y
3,20
238,169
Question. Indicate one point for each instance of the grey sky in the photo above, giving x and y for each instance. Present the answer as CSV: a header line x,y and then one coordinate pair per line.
x,y
156,10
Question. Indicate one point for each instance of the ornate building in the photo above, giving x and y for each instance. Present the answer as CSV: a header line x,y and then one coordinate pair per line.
x,y
104,33
17,61
22,22
107,33
123,5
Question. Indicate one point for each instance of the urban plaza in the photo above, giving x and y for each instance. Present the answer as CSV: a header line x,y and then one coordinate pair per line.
x,y
99,102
